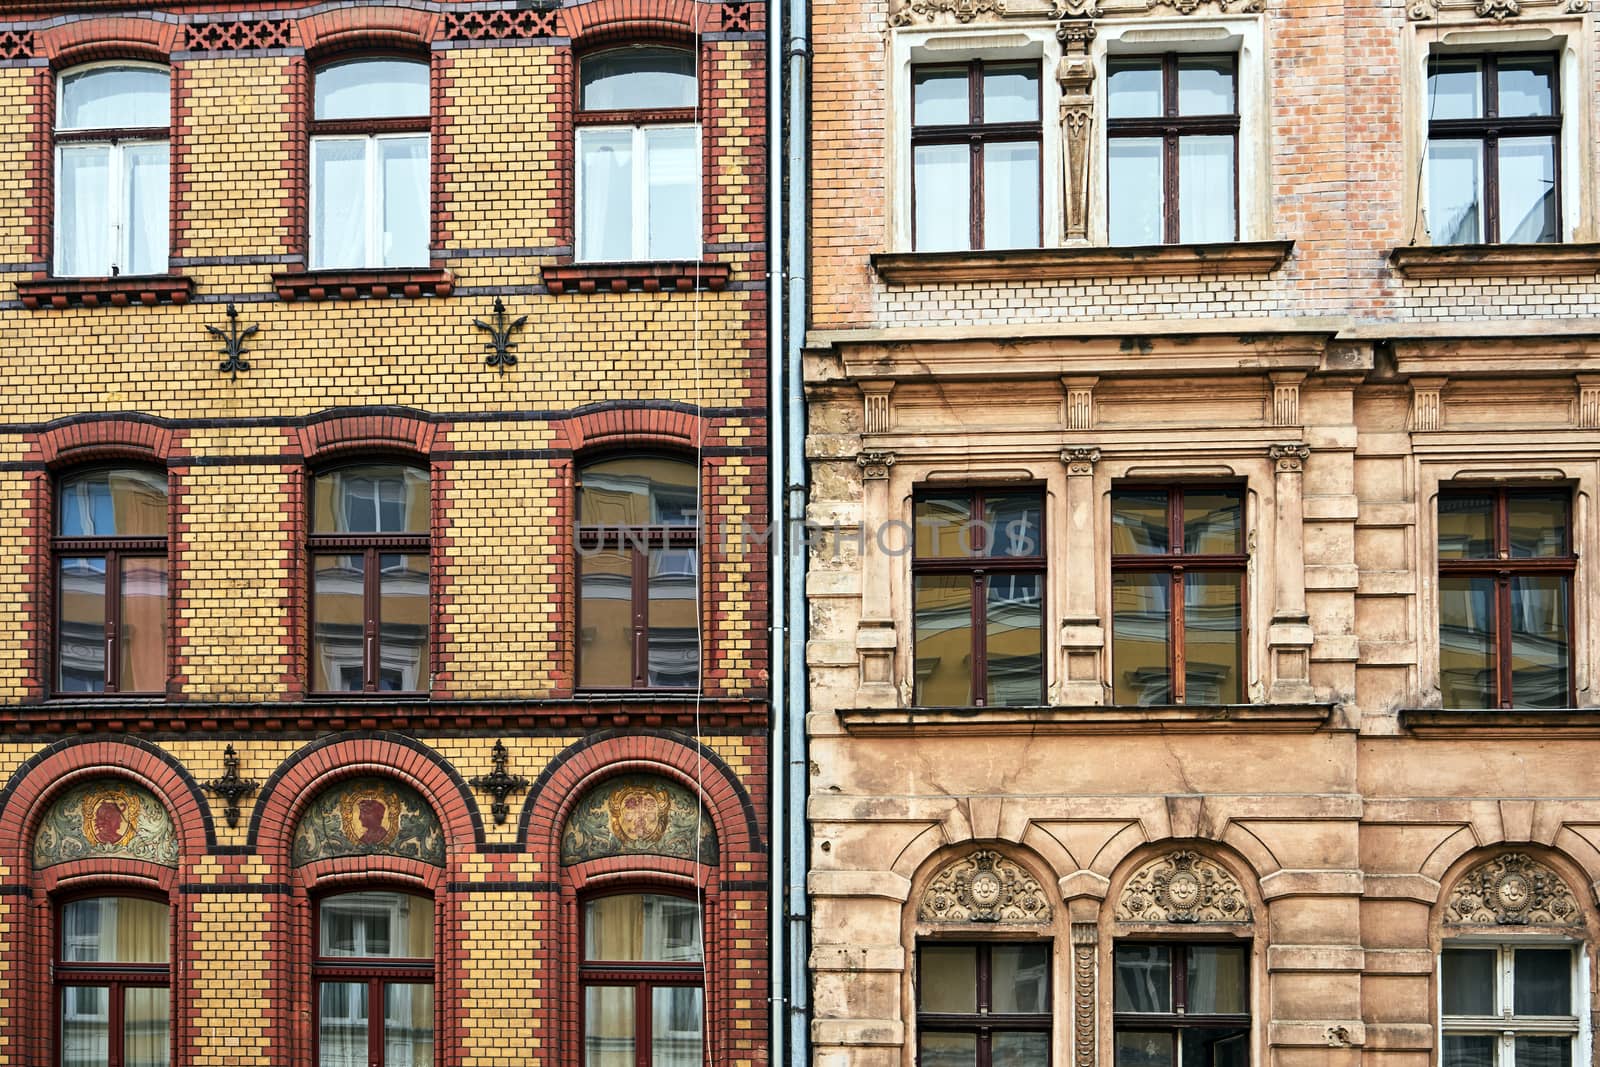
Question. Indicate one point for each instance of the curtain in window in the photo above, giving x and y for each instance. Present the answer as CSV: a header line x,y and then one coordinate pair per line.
x,y
674,179
145,1021
339,176
84,222
403,172
1205,199
605,180
145,208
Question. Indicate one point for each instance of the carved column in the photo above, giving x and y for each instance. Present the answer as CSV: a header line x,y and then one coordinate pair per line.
x,y
1083,637
875,406
875,633
1286,398
1427,403
1085,995
1076,75
1080,402
1289,637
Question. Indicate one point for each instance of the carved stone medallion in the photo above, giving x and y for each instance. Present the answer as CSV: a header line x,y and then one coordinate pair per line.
x,y
1512,889
1183,887
985,887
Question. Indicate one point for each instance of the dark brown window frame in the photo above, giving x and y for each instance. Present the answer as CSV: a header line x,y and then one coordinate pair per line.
x,y
983,1022
1504,568
1172,127
1179,1018
976,134
375,971
1176,563
644,977
117,976
980,568
1491,127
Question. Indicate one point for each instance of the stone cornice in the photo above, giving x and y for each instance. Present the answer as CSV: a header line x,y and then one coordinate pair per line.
x,y
1496,261
1517,724
1088,719
1081,261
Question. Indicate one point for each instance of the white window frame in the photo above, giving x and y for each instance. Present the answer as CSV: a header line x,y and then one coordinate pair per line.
x,y
1506,1027
374,196
639,245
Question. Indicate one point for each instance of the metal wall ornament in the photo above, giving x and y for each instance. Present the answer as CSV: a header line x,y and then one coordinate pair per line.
x,y
233,340
499,784
1183,887
106,819
230,787
984,887
1512,889
500,343
367,817
638,815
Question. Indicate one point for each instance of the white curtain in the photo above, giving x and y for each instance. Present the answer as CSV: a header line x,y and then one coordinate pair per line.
x,y
1206,190
83,221
339,196
403,180
605,194
145,208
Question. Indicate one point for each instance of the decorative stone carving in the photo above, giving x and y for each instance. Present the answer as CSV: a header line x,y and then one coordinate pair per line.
x,y
1513,889
875,465
962,11
1224,7
1183,887
1084,936
985,887
1422,11
1073,9
1290,458
1499,10
1286,399
1076,75
368,817
106,819
1588,411
875,411
638,815
1080,402
1427,404
1080,460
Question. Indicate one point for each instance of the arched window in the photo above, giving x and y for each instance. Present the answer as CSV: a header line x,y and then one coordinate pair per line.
x,y
111,582
369,165
643,979
373,980
369,585
638,151
111,170
112,981
638,574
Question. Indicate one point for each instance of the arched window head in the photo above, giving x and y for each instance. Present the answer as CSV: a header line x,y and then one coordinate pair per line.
x,y
638,574
110,554
111,170
369,164
369,587
643,978
373,979
113,982
638,149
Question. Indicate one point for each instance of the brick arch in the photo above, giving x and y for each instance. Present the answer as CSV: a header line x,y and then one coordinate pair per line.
x,y
333,433
609,21
345,29
92,439
610,425
119,37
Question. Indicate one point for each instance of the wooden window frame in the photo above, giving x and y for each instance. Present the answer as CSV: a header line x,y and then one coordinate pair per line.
x,y
983,1022
1179,1018
644,977
1172,127
1507,1026
119,977
1504,568
1489,128
976,134
376,972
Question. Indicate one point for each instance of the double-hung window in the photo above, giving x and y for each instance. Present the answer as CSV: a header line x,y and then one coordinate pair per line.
x,y
373,975
1182,1005
369,165
986,1004
113,983
1494,149
1508,1005
111,171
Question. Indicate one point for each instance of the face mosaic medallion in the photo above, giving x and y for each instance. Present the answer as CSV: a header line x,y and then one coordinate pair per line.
x,y
638,814
367,817
1512,889
106,818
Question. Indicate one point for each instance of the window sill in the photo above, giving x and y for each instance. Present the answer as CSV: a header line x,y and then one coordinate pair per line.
x,y
408,282
121,291
1482,261
1087,719
1499,723
1081,261
680,276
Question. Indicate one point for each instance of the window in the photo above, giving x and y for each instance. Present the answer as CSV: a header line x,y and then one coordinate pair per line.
x,y
638,574
975,150
374,948
369,586
1494,131
1177,595
638,150
113,984
643,979
1182,1005
111,171
977,593
984,1004
1505,598
369,165
1172,132
111,582
1508,1005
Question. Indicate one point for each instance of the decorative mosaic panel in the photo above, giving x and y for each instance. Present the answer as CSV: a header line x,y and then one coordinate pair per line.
x,y
368,817
108,818
638,815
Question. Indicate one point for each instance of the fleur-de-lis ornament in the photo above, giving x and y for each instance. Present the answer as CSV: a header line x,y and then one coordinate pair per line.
x,y
233,340
500,333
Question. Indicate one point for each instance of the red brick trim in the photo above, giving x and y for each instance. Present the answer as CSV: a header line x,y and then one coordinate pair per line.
x,y
347,874
682,276
613,20
350,28
631,427
355,284
103,439
60,293
115,37
343,433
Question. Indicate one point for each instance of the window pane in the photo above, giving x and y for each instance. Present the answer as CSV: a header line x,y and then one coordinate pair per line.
x,y
676,1026
1466,525
143,635
1466,642
1455,191
1014,640
947,978
674,177
1469,980
1011,194
125,503
638,491
1217,980
1133,190
1468,1050
342,1024
642,927
114,98
947,1050
83,215
605,194
1205,189
1212,1047
338,604
1134,89
1020,1049
1019,978
1012,524
672,654
605,619
407,1024
372,88
339,202
1543,982
1139,522
1526,86
1140,638
939,96
85,1026
1540,641
370,498
638,78
114,930
1528,206
945,527
1212,624
1011,92
942,192
81,596
1205,85
1212,521
1138,1049
403,623
1544,1052
1455,89
1539,521
403,172
608,1017
376,925
1144,978
145,1020
145,208
943,606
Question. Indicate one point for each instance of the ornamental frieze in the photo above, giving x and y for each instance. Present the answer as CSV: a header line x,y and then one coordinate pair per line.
x,y
638,814
1513,889
106,819
369,817
1183,887
985,887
